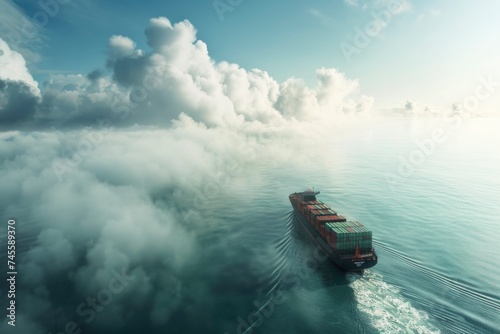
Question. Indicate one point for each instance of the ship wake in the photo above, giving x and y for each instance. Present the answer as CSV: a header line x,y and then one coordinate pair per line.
x,y
384,306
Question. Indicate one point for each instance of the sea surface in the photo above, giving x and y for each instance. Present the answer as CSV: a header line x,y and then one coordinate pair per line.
x,y
435,221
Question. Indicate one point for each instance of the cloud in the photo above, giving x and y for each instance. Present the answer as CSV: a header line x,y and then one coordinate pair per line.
x,y
19,93
417,110
18,103
253,94
99,220
118,205
177,76
334,96
112,169
168,39
120,47
410,109
297,100
13,67
409,105
333,88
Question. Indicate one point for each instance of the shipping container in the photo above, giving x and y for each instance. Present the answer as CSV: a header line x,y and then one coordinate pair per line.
x,y
344,237
323,212
330,218
349,235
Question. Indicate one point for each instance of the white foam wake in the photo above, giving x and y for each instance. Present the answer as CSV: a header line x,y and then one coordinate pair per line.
x,y
386,308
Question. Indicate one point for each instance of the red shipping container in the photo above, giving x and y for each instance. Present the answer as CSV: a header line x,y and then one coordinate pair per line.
x,y
331,218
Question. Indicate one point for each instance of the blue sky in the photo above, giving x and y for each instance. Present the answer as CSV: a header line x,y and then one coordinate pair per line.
x,y
432,52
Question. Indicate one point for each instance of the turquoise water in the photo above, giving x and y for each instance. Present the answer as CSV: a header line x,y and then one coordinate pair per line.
x,y
435,227
435,231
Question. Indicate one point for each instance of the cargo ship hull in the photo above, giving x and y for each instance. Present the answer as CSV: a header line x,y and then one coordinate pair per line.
x,y
348,261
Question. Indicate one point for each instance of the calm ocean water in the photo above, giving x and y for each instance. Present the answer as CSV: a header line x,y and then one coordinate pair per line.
x,y
435,227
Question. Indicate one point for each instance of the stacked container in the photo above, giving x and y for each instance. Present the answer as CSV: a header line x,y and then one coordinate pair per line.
x,y
322,212
345,236
330,218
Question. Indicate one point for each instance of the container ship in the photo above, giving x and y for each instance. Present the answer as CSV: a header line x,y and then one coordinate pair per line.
x,y
347,243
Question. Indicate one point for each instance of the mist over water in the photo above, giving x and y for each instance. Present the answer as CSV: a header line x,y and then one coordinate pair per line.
x,y
252,269
431,233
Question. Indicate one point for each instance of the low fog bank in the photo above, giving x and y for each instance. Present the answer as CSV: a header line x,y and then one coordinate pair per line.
x,y
110,171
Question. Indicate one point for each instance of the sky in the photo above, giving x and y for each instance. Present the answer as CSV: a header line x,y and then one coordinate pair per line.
x,y
429,52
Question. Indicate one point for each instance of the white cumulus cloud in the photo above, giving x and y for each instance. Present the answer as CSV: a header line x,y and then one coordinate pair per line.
x,y
113,169
13,67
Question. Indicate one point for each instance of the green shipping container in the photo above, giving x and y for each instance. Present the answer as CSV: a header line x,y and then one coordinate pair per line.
x,y
350,234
